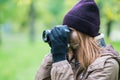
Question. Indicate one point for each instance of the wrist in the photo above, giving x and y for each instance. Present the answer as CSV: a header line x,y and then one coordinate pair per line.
x,y
58,57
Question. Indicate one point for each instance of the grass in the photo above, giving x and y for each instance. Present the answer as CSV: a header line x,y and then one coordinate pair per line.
x,y
20,59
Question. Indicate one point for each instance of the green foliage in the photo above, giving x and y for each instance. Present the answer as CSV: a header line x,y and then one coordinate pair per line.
x,y
49,10
3,1
19,60
109,9
13,11
56,7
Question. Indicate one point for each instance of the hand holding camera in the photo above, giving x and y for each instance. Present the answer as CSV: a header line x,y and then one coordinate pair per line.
x,y
58,39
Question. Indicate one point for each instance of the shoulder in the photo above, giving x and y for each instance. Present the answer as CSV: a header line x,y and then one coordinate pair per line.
x,y
112,65
103,68
104,62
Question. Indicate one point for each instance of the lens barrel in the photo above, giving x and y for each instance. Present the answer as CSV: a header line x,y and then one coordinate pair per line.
x,y
45,35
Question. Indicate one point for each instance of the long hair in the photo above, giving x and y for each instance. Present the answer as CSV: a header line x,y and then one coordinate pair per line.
x,y
86,48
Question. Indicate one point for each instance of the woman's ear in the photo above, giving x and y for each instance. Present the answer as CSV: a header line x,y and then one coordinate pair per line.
x,y
74,42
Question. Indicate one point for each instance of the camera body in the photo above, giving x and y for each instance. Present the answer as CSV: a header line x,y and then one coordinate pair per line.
x,y
46,33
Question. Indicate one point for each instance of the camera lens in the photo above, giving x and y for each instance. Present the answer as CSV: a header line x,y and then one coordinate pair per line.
x,y
45,35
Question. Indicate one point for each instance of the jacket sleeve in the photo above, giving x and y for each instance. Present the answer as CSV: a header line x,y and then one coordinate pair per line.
x,y
109,72
61,71
43,72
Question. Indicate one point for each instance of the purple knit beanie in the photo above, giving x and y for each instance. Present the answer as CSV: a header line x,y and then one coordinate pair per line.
x,y
84,17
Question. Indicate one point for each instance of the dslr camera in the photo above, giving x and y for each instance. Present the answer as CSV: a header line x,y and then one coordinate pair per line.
x,y
46,33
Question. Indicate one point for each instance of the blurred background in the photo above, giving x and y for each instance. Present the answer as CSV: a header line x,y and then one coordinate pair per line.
x,y
22,23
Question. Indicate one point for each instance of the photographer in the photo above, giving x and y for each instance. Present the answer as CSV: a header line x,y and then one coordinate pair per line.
x,y
78,51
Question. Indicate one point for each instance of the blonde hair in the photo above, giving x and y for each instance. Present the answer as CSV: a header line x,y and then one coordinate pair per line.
x,y
86,48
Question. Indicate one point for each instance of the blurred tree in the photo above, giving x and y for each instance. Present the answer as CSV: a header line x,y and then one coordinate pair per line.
x,y
110,11
109,25
0,36
2,10
56,8
49,13
32,21
15,12
2,16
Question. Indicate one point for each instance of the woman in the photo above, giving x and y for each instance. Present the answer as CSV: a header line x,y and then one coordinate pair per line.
x,y
87,59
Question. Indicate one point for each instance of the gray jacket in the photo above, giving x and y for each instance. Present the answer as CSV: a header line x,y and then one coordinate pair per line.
x,y
105,67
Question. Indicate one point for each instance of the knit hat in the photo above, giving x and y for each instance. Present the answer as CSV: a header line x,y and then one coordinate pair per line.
x,y
84,17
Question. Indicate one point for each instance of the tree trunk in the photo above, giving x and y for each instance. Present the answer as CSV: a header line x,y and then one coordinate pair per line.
x,y
109,25
0,36
32,22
